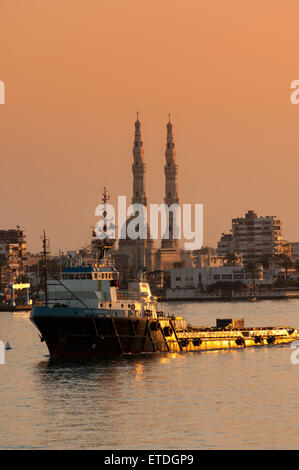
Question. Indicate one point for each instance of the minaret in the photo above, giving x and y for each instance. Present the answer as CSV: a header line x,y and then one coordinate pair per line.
x,y
138,168
171,183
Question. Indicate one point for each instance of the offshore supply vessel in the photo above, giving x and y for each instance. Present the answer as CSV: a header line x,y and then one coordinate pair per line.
x,y
87,315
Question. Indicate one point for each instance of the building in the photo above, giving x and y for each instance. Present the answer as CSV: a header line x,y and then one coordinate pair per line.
x,y
225,244
201,278
169,253
133,255
255,238
13,252
295,250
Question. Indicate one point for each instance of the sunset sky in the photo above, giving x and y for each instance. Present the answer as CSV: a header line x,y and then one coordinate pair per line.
x,y
76,72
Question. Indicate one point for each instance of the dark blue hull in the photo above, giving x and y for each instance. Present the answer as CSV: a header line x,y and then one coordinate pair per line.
x,y
76,333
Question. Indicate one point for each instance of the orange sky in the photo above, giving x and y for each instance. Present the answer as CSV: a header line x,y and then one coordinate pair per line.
x,y
76,72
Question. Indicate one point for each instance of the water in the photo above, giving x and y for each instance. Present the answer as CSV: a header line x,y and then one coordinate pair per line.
x,y
235,399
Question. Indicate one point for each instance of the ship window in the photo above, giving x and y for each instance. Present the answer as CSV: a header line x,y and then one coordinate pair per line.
x,y
129,305
77,276
82,276
64,276
88,276
101,305
110,305
122,305
105,275
71,276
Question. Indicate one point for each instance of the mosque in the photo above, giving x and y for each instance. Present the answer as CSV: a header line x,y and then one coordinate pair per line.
x,y
133,255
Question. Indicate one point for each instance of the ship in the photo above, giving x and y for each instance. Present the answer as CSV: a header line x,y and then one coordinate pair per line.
x,y
87,315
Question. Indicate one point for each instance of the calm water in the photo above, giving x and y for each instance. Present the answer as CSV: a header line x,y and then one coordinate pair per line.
x,y
237,399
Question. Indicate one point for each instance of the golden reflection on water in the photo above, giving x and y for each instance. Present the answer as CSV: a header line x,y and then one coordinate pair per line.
x,y
139,371
168,356
175,400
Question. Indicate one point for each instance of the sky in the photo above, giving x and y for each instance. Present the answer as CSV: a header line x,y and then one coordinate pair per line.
x,y
76,72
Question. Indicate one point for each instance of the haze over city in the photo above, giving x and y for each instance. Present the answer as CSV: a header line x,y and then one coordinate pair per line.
x,y
76,73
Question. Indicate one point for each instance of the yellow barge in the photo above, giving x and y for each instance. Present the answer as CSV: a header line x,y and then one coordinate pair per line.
x,y
171,334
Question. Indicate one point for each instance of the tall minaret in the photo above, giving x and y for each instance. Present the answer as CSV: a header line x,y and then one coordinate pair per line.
x,y
138,168
171,183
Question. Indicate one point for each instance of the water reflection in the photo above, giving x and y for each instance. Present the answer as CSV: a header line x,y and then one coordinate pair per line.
x,y
106,371
170,400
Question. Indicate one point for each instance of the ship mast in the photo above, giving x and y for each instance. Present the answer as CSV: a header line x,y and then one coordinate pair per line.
x,y
45,241
103,245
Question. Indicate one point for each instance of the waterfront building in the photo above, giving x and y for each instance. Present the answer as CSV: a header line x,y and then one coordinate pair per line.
x,y
201,278
255,238
12,256
207,257
295,250
225,244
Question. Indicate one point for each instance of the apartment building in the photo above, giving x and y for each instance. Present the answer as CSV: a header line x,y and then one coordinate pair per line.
x,y
255,238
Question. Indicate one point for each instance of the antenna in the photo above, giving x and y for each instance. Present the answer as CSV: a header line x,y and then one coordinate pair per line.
x,y
104,244
46,246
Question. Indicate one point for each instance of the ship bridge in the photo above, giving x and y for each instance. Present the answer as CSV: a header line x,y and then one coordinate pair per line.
x,y
89,273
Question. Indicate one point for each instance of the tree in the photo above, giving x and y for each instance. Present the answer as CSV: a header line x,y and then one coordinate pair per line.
x,y
231,258
265,261
251,269
287,264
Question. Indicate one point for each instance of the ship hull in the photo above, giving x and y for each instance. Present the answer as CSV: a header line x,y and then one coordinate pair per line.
x,y
77,334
